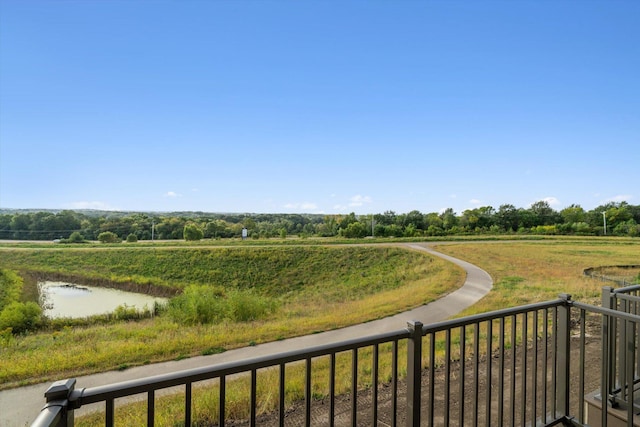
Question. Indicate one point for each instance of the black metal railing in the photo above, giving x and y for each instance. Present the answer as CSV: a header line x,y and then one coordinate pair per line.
x,y
622,350
527,365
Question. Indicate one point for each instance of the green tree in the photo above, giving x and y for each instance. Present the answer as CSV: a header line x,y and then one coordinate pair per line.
x,y
543,214
573,214
507,218
449,219
347,220
415,218
192,232
354,230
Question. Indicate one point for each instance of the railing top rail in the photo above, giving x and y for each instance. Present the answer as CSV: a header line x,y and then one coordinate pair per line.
x,y
157,382
626,289
49,416
628,297
491,315
607,311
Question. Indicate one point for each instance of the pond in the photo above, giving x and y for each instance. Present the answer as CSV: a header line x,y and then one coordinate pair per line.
x,y
70,300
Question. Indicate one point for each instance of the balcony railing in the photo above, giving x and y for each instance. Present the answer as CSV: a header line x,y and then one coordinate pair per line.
x,y
536,364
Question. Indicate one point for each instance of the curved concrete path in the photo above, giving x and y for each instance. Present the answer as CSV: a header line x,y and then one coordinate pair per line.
x,y
20,406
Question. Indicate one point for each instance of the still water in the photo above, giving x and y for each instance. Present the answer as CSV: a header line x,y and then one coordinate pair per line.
x,y
69,300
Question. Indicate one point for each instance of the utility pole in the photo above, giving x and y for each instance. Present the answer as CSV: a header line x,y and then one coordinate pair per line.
x,y
153,226
604,218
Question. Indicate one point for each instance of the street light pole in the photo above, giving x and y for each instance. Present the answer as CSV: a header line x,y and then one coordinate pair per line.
x,y
372,223
604,218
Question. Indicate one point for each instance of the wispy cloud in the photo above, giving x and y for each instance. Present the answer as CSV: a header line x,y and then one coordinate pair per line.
x,y
475,201
359,200
172,194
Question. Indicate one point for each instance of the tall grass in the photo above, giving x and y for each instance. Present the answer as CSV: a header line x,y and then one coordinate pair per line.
x,y
200,304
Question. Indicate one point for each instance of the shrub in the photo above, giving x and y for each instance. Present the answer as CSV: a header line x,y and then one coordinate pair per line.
x,y
76,237
132,238
208,304
21,317
197,304
192,232
10,287
109,237
244,306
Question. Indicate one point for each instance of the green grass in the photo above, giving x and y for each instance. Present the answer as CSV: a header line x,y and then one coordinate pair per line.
x,y
316,288
275,270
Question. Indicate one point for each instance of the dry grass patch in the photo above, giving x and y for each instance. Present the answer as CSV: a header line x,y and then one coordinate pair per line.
x,y
527,272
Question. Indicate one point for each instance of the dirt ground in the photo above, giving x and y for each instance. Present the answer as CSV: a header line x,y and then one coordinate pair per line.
x,y
511,414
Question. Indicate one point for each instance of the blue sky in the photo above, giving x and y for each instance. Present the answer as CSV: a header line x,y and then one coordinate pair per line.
x,y
318,106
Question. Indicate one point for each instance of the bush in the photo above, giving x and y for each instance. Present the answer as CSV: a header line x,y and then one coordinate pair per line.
x,y
208,304
21,317
192,232
10,287
109,237
132,238
76,237
244,306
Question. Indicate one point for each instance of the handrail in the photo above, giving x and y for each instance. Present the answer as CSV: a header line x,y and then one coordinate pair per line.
x,y
491,315
525,355
161,381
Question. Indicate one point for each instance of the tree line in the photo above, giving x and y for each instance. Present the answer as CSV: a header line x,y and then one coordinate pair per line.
x,y
621,219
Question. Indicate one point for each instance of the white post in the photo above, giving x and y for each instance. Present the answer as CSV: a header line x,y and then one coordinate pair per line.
x,y
604,217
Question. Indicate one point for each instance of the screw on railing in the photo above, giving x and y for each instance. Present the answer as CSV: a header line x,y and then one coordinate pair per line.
x,y
414,373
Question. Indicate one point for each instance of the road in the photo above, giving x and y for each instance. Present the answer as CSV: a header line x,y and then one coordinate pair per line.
x,y
19,406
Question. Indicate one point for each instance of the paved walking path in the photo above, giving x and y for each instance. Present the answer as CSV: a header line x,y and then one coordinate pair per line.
x,y
20,406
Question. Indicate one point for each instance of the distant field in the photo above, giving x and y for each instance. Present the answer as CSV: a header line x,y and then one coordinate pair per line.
x,y
525,272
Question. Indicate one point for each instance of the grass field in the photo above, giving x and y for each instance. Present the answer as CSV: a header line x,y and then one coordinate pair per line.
x,y
316,288
525,272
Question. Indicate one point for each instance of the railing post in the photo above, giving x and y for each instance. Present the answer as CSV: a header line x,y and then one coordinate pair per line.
x,y
563,336
414,373
58,394
608,346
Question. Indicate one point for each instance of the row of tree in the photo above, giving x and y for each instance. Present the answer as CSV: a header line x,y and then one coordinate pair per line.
x,y
620,219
